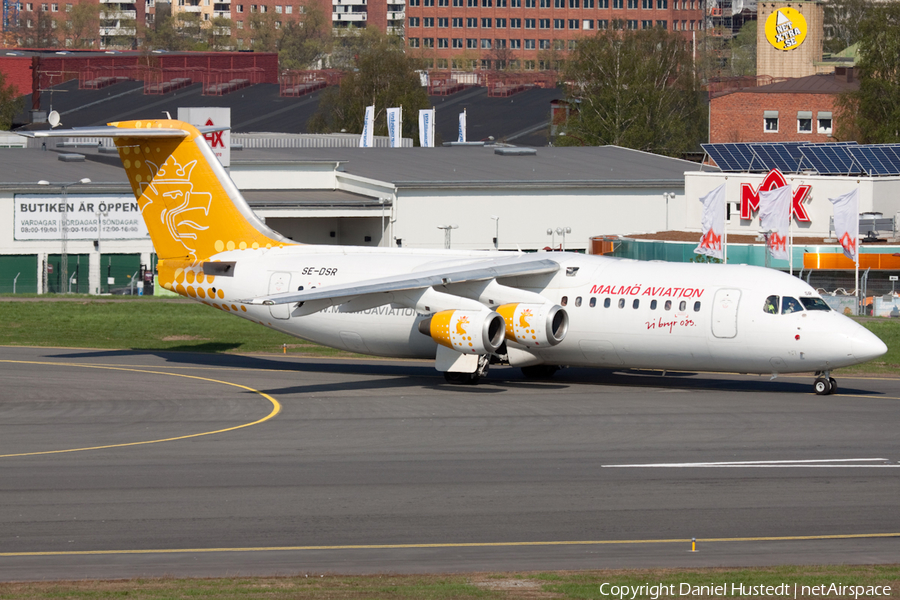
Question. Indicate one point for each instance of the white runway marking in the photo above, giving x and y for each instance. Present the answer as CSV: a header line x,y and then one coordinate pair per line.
x,y
828,463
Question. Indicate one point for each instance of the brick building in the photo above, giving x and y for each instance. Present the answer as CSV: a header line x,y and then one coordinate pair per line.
x,y
526,33
795,110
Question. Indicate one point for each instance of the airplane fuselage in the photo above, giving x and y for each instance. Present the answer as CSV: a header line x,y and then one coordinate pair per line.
x,y
621,313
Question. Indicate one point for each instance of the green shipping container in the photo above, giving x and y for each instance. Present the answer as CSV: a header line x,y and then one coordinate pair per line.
x,y
19,274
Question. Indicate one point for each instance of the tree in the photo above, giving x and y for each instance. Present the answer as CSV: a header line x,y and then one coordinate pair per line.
x,y
264,35
743,51
219,34
82,25
11,104
842,22
303,44
383,75
871,114
635,89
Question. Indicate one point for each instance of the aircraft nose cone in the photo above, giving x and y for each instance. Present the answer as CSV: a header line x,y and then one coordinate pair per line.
x,y
865,345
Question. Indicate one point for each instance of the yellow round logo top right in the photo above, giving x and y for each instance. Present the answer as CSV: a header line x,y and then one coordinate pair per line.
x,y
786,28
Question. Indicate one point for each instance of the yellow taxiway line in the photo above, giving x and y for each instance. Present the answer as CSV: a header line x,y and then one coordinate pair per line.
x,y
276,407
792,538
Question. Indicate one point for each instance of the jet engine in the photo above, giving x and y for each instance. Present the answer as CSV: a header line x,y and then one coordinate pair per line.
x,y
534,325
466,331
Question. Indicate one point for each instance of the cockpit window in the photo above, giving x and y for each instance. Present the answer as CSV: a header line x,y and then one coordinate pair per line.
x,y
814,304
790,305
771,305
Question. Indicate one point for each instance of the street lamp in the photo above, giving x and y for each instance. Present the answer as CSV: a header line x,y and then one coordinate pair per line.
x,y
668,196
63,226
563,231
447,229
496,232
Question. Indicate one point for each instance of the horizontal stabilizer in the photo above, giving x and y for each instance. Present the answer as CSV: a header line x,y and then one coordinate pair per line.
x,y
107,132
480,270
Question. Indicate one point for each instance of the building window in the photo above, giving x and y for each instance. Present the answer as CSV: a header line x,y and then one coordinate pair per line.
x,y
617,3
559,23
545,3
240,24
471,22
278,9
443,22
632,24
428,21
544,23
529,3
529,65
529,45
662,24
458,3
647,4
515,44
515,23
485,44
573,24
428,42
471,43
770,121
544,44
485,23
457,22
413,42
588,24
443,43
457,43
603,24
646,24
824,123
662,4
804,121
559,3
572,44
501,23
558,44
414,21
288,9
632,3
69,7
529,23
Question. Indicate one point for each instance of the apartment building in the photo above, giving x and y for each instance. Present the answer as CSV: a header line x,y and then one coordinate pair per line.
x,y
491,34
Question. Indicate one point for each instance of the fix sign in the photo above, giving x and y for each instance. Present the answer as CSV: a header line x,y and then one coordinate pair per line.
x,y
750,196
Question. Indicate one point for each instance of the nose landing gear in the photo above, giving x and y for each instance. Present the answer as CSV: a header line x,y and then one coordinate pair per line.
x,y
825,384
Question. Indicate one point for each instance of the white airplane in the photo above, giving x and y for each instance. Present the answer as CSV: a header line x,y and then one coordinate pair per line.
x,y
466,310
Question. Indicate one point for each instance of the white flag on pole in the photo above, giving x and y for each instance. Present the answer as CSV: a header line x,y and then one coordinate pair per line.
x,y
713,224
426,128
775,216
846,223
395,127
366,140
462,127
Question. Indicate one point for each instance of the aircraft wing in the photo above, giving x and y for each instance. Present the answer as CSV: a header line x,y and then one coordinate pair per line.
x,y
105,132
479,270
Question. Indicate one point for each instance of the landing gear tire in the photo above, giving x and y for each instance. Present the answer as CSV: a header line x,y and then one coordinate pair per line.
x,y
834,387
539,371
462,378
822,386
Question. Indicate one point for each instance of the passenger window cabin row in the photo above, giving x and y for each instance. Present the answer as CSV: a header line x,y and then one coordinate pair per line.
x,y
635,304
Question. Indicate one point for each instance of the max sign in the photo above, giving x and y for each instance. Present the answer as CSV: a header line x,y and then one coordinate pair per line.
x,y
750,196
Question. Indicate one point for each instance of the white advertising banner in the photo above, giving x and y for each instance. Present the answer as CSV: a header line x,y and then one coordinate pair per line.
x,y
713,224
88,217
462,127
219,141
775,217
426,128
395,127
846,222
367,140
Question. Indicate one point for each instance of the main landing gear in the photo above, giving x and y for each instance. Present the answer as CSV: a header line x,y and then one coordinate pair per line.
x,y
825,384
458,378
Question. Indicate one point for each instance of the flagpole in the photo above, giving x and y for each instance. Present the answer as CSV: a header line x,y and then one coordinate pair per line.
x,y
791,237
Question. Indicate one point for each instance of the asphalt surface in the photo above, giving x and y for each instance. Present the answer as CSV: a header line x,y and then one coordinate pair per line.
x,y
345,466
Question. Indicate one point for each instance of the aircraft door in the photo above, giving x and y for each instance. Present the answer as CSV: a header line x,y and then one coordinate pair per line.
x,y
725,313
278,284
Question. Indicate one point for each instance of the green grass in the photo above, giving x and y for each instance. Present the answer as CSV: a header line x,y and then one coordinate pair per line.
x,y
889,332
140,324
559,584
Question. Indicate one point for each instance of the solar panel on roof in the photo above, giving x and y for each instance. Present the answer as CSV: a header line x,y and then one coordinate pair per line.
x,y
829,159
775,156
891,155
731,157
868,158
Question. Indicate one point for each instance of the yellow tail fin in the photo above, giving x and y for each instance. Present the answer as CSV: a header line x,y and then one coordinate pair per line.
x,y
191,206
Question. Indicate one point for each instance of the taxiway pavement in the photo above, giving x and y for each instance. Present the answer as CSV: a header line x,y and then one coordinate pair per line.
x,y
120,464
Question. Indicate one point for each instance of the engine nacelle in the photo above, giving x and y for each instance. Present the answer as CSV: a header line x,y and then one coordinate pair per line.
x,y
466,331
535,325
